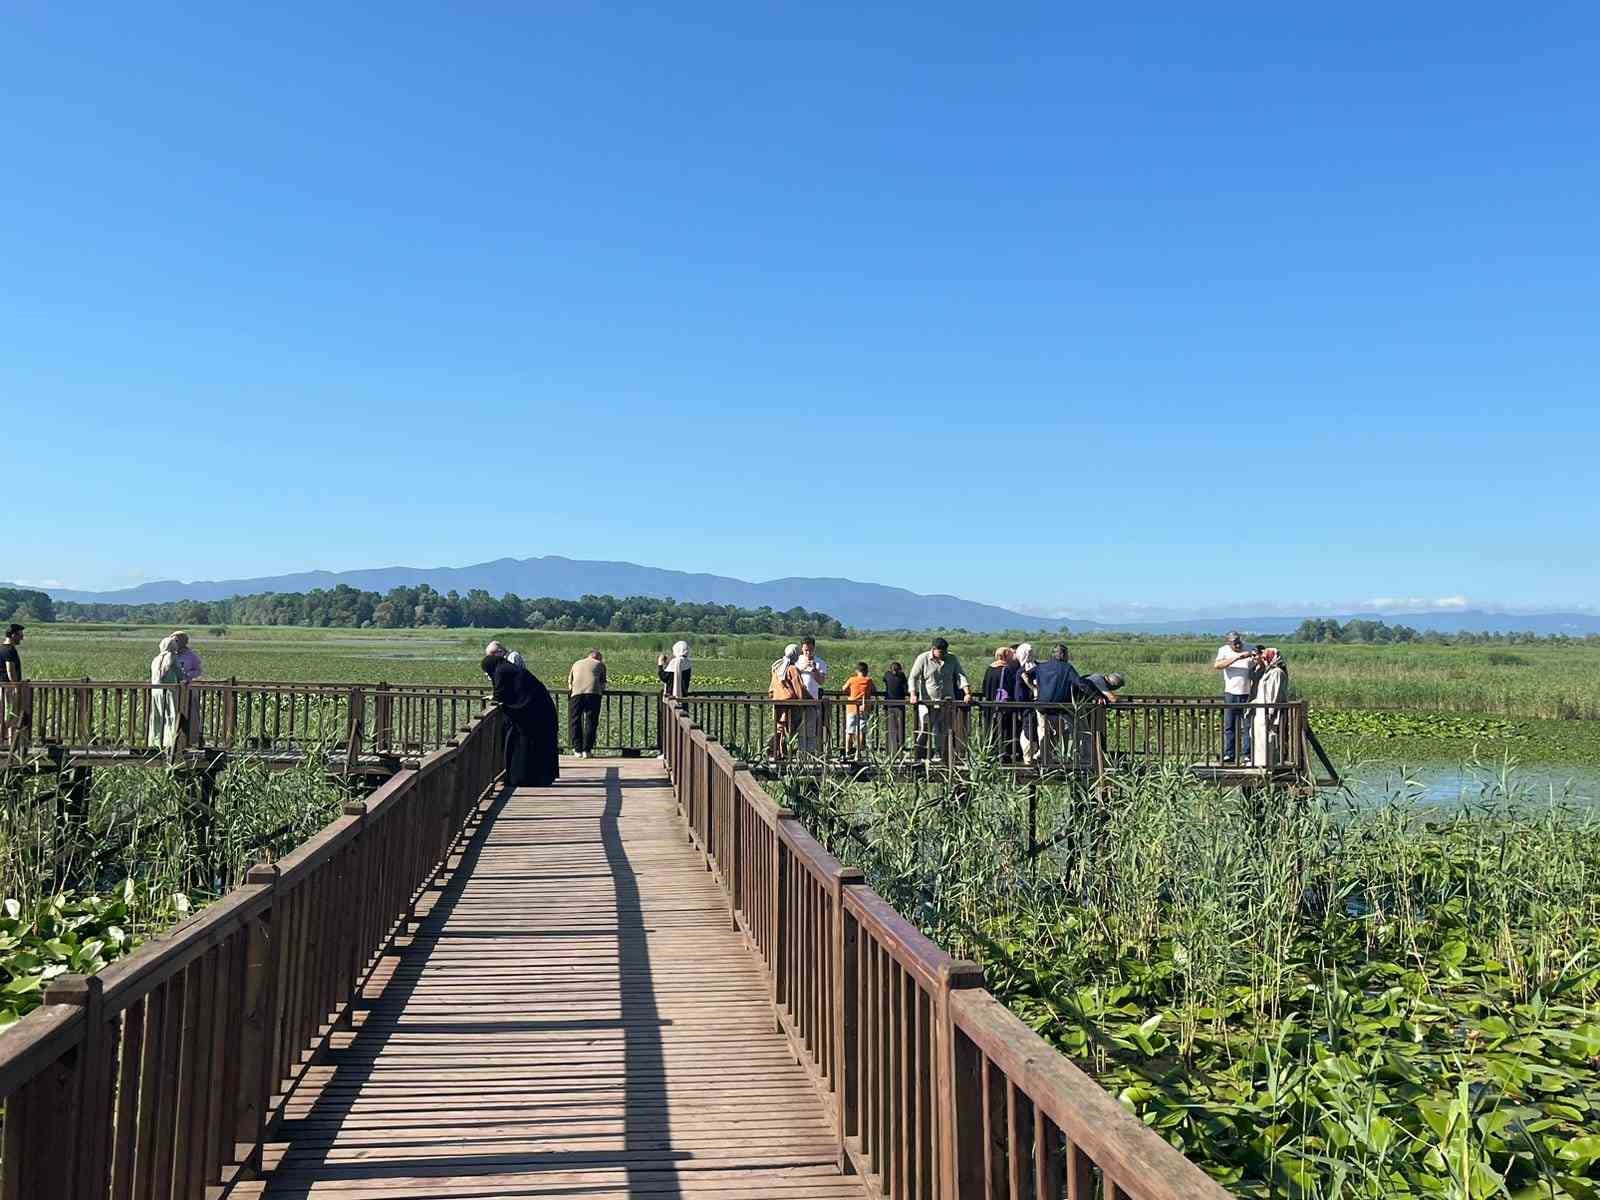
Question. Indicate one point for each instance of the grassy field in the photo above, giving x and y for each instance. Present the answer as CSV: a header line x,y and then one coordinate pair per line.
x,y
1538,702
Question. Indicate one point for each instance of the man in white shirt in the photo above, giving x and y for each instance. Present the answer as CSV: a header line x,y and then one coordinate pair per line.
x,y
813,670
1237,665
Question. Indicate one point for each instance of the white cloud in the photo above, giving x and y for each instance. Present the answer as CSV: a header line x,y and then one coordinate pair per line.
x,y
1451,602
41,583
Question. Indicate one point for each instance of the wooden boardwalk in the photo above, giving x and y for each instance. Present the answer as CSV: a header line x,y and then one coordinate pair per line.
x,y
575,1015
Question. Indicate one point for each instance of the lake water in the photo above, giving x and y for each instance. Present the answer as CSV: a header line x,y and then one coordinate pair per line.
x,y
1451,784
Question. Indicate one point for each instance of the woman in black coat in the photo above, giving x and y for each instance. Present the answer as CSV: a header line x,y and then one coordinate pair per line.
x,y
531,757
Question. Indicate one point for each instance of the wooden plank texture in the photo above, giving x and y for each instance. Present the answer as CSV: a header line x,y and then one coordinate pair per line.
x,y
574,1014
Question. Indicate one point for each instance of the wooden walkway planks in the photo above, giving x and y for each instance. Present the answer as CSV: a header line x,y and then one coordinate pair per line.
x,y
574,1016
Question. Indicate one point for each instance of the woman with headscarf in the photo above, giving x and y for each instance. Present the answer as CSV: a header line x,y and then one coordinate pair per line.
x,y
678,670
531,756
165,675
1030,724
787,686
1272,688
190,667
1000,688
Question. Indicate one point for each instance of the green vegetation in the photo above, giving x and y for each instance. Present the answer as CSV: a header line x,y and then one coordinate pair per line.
x,y
1307,1000
87,875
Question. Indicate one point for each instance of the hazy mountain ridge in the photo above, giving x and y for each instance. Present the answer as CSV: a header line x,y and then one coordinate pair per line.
x,y
860,605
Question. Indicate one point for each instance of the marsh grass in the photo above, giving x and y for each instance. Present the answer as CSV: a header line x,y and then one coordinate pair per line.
x,y
86,875
1309,997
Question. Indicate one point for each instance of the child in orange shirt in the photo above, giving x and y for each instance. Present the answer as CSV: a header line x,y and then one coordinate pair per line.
x,y
859,688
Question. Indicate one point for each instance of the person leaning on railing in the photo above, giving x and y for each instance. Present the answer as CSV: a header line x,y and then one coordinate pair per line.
x,y
586,685
1058,683
936,676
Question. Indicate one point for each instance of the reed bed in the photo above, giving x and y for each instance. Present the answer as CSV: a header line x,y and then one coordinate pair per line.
x,y
88,870
1309,998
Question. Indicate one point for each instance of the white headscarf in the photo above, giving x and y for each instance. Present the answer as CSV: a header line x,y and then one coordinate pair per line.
x,y
164,661
790,653
680,657
1026,659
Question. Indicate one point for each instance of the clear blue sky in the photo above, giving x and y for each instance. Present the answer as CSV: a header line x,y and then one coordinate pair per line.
x,y
1021,303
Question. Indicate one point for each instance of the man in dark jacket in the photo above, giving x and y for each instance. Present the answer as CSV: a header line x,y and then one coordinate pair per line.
x,y
1060,683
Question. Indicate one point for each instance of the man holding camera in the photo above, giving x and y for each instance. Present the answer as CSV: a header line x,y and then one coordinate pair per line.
x,y
1238,666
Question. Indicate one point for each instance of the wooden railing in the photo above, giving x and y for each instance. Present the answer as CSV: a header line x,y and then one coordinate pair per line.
x,y
1084,738
158,1076
355,721
937,1092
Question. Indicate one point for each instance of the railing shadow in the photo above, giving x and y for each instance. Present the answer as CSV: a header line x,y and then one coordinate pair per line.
x,y
644,1052
316,1132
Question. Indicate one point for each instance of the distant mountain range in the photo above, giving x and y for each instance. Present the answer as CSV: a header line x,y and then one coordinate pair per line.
x,y
859,605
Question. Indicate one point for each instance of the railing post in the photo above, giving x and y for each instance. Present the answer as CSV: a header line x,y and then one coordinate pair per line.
x,y
357,727
41,1129
230,712
846,1029
84,709
86,1170
383,718
258,1031
958,1084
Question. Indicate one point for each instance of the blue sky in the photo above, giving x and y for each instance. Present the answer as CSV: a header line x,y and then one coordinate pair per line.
x,y
1064,309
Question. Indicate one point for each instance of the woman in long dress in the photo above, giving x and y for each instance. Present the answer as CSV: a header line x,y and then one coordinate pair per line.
x,y
531,756
164,671
1271,688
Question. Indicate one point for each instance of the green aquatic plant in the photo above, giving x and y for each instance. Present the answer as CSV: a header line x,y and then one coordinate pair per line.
x,y
1308,997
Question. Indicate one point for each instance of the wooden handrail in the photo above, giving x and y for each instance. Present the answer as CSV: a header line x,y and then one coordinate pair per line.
x,y
904,1045
166,1064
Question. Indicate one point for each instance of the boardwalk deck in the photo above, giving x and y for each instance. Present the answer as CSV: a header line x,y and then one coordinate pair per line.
x,y
575,1015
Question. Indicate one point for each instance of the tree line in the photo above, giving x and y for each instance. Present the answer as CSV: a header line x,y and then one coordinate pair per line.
x,y
26,604
417,607
1367,632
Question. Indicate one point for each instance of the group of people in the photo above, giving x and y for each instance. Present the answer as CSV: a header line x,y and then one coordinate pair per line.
x,y
1255,676
1016,676
1255,681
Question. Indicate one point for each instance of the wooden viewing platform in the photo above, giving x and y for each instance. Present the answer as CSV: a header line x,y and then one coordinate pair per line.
x,y
574,1014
